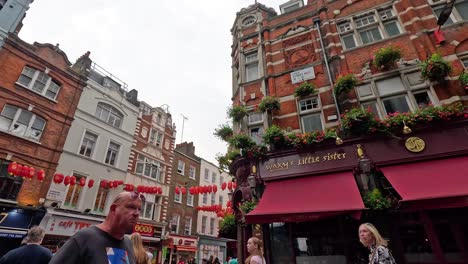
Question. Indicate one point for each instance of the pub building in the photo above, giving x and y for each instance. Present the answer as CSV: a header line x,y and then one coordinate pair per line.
x,y
312,200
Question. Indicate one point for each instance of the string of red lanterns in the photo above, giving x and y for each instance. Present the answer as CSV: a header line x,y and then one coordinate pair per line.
x,y
24,171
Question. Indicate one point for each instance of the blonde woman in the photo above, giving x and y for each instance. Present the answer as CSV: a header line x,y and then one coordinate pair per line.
x,y
254,247
371,238
140,254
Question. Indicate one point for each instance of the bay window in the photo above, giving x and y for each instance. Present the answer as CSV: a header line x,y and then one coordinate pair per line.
x,y
148,167
39,82
21,122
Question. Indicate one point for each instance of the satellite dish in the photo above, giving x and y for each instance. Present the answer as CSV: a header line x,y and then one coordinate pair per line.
x,y
445,14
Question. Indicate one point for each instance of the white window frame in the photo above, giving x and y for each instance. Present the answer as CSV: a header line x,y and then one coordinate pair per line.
x,y
15,123
93,145
192,172
315,110
189,199
178,197
114,116
99,195
48,84
181,167
221,200
251,61
155,168
257,136
212,225
213,198
175,220
188,226
455,16
255,118
206,176
112,152
76,187
308,115
221,180
348,26
203,224
205,198
409,91
144,207
213,177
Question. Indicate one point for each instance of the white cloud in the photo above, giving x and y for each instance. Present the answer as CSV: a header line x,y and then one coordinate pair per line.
x,y
172,52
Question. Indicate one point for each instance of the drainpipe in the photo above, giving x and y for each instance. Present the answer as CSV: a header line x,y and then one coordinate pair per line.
x,y
325,58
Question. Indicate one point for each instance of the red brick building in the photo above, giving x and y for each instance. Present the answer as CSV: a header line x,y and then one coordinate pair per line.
x,y
315,42
38,97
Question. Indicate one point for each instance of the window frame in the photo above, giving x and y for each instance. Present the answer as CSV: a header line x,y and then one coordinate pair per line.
x,y
212,225
102,191
143,211
15,123
181,171
93,149
203,224
110,152
76,188
192,172
11,185
251,64
190,199
177,217
178,197
34,78
455,15
188,224
112,113
142,162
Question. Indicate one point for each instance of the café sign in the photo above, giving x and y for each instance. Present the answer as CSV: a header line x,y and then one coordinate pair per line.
x,y
66,226
313,162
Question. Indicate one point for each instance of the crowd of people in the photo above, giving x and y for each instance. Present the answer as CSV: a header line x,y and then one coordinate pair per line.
x,y
107,243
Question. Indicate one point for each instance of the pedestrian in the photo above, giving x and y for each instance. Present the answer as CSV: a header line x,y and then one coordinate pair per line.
x,y
216,261
254,247
191,261
32,252
210,261
371,238
233,260
106,242
141,256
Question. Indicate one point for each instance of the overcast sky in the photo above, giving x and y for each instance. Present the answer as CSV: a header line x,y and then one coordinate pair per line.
x,y
173,52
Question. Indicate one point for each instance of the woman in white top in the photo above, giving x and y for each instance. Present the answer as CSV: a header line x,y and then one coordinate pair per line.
x,y
255,249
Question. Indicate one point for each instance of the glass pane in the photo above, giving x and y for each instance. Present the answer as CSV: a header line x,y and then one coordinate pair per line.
x,y
370,35
349,41
24,80
422,99
372,106
311,123
308,104
365,90
462,8
9,111
414,78
255,117
416,245
25,117
251,72
396,104
390,85
38,123
392,28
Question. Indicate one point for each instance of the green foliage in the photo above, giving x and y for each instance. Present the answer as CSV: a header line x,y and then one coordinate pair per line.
x,y
247,206
435,68
274,136
223,132
304,90
359,121
385,57
464,78
228,227
269,103
241,141
375,200
345,83
237,112
299,140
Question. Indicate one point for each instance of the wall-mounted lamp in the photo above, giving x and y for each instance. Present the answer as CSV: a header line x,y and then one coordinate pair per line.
x,y
406,129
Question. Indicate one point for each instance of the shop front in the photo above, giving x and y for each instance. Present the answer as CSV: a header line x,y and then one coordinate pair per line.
x,y
14,225
212,246
62,225
180,247
151,236
312,201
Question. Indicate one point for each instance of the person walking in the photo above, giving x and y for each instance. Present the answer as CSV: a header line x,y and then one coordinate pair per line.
x,y
216,261
370,237
141,256
32,252
106,242
254,247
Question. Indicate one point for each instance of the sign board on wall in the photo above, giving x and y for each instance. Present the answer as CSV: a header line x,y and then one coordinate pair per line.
x,y
55,195
144,230
303,75
67,226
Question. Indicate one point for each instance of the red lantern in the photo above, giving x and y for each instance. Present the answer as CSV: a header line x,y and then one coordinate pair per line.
x,y
72,180
177,190
90,183
183,190
12,167
210,189
82,181
31,172
223,186
230,185
19,170
215,188
234,185
160,191
25,171
67,180
40,175
103,184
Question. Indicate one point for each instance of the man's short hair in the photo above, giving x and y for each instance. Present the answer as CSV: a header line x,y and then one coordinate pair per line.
x,y
35,234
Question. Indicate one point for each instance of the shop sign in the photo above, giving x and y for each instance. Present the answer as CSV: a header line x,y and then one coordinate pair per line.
x,y
11,235
302,75
55,195
309,162
144,230
415,144
66,226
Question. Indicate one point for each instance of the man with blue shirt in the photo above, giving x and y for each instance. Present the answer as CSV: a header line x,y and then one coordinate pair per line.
x,y
32,252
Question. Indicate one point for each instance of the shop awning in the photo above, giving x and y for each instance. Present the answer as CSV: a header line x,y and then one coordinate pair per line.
x,y
437,182
307,199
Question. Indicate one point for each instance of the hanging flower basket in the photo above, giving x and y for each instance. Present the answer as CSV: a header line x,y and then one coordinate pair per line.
x,y
345,83
269,103
274,136
223,132
385,57
304,90
464,79
359,121
435,68
241,141
237,112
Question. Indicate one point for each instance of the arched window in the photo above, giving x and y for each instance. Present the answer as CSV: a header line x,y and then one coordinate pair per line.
x,y
21,122
109,114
